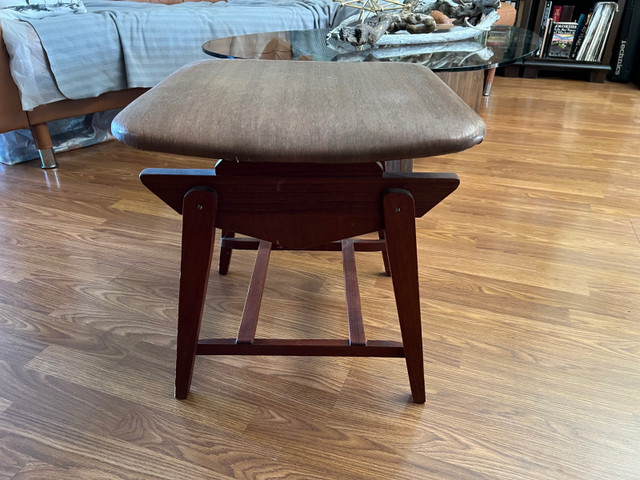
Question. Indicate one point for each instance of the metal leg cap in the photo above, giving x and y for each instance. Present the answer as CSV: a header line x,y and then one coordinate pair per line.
x,y
48,158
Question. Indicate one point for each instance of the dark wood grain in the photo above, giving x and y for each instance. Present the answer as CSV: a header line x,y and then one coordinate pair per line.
x,y
400,233
226,250
198,234
303,347
385,257
299,211
352,293
249,321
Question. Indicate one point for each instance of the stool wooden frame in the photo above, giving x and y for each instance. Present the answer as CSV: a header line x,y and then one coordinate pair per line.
x,y
295,206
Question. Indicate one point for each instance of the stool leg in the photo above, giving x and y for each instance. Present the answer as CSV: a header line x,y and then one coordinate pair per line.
x,y
225,254
198,234
400,230
385,258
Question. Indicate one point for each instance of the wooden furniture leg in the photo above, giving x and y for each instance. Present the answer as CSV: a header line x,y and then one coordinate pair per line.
x,y
385,257
44,144
198,235
225,253
400,228
489,75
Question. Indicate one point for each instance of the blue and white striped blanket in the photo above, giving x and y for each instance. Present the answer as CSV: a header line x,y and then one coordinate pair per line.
x,y
117,45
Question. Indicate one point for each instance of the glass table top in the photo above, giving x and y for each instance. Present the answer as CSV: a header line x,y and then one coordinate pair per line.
x,y
500,46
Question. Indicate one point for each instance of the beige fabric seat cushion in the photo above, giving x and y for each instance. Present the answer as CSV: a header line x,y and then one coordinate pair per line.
x,y
295,111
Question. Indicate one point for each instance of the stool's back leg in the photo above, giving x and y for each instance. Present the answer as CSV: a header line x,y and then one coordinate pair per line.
x,y
198,234
385,258
225,254
400,232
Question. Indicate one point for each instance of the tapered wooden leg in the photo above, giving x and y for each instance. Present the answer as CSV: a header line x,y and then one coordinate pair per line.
x,y
225,254
489,75
198,234
385,257
400,229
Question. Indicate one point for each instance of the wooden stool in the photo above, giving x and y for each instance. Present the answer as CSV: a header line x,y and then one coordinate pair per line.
x,y
302,144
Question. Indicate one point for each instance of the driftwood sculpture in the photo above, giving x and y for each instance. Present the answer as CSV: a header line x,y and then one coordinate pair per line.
x,y
463,12
414,17
436,54
375,27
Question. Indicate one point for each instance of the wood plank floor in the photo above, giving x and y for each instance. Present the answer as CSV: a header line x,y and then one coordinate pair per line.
x,y
530,281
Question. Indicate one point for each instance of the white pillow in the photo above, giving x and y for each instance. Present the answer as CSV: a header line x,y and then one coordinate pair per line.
x,y
26,9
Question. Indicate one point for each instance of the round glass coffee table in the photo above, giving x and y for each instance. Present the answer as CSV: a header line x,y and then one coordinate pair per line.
x,y
459,64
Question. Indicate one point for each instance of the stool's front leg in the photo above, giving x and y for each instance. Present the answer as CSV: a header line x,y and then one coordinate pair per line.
x,y
198,234
400,230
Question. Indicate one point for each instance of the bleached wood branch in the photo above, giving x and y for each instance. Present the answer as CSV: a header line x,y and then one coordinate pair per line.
x,y
370,31
455,34
477,16
457,49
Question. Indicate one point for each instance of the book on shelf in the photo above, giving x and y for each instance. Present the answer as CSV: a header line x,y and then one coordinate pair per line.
x,y
581,34
597,31
562,39
601,39
546,15
581,29
545,38
567,13
557,13
628,43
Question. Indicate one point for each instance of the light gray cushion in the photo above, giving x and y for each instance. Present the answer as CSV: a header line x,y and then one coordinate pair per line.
x,y
295,111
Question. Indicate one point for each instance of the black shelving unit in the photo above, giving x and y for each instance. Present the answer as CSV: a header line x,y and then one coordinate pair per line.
x,y
597,70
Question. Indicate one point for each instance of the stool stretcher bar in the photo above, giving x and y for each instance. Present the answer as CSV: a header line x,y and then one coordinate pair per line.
x,y
249,322
359,244
352,291
310,347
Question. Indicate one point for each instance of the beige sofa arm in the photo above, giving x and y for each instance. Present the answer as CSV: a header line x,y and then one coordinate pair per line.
x,y
11,115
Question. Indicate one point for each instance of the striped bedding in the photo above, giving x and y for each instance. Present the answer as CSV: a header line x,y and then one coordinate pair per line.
x,y
122,44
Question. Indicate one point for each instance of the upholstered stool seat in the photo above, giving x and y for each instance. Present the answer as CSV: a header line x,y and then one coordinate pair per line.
x,y
288,111
302,145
